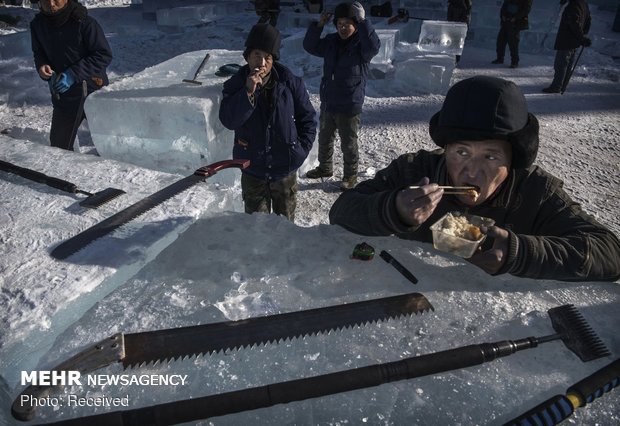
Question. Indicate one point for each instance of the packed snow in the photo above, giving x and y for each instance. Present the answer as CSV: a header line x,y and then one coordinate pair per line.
x,y
198,259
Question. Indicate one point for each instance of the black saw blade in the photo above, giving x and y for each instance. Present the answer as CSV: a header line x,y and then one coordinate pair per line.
x,y
171,344
84,238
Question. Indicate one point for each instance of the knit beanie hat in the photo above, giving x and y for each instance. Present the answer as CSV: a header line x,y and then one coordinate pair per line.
x,y
264,37
483,108
344,10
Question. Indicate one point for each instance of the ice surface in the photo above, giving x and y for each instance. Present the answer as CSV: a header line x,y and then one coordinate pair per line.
x,y
234,265
150,7
155,120
442,37
288,19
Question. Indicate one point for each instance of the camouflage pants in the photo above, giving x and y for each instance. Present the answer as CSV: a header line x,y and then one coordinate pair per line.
x,y
347,127
261,196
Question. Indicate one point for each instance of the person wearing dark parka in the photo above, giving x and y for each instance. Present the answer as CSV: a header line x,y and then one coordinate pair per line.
x,y
69,47
574,25
269,109
346,58
488,140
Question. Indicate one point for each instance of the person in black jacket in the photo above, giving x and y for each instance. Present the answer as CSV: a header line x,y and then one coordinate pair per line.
x,y
269,109
69,47
490,141
459,11
513,19
346,58
574,26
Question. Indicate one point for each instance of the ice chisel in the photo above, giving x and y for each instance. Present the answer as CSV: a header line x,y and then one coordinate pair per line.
x,y
560,407
164,345
92,201
81,240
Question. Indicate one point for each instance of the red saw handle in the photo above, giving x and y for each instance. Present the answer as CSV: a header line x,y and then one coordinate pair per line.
x,y
212,169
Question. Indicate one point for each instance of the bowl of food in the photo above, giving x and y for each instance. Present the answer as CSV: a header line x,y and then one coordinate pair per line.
x,y
459,233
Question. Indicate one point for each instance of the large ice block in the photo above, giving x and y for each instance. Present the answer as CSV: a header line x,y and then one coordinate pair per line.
x,y
424,73
408,31
178,18
150,7
386,51
155,120
442,37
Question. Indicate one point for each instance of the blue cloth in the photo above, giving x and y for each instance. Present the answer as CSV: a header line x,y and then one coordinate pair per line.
x,y
345,65
64,82
276,139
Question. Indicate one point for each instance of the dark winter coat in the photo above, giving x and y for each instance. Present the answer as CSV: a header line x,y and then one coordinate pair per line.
x,y
276,140
459,11
550,236
78,45
574,25
345,65
515,12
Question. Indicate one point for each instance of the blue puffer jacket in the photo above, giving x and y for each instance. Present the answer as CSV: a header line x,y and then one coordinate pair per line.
x,y
275,141
345,66
80,46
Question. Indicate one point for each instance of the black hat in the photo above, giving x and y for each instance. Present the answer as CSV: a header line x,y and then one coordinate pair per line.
x,y
264,37
483,108
344,10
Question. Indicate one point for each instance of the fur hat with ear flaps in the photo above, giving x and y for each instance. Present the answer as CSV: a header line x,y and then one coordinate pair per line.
x,y
483,108
263,37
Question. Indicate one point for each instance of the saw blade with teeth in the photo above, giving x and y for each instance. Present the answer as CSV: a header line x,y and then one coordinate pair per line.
x,y
170,344
135,349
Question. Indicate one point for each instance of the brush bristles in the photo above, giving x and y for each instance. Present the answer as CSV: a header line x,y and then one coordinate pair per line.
x,y
576,333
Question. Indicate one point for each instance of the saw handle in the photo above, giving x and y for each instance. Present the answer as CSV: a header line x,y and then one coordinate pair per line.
x,y
39,177
560,407
212,169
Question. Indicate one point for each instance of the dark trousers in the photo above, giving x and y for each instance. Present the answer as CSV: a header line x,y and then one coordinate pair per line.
x,y
64,127
347,127
508,35
564,60
261,196
65,120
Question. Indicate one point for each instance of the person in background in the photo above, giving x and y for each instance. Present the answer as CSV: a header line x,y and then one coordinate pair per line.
x,y
69,47
459,11
346,57
488,140
270,112
513,19
574,26
268,10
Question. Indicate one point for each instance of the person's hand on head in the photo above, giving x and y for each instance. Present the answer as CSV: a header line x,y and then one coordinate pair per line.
x,y
325,18
359,14
415,206
493,259
64,82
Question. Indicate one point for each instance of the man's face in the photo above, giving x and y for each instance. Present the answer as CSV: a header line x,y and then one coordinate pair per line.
x,y
53,6
346,27
484,164
261,60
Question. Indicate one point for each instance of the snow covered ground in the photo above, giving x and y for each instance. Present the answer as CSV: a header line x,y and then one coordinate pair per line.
x,y
197,259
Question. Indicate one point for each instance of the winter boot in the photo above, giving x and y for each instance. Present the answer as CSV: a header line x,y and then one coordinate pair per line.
x,y
348,182
319,172
498,61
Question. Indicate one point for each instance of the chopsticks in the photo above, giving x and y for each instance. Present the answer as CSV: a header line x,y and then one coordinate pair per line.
x,y
454,190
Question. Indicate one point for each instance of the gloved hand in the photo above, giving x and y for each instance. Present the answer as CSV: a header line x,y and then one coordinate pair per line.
x,y
359,14
50,83
586,41
64,81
